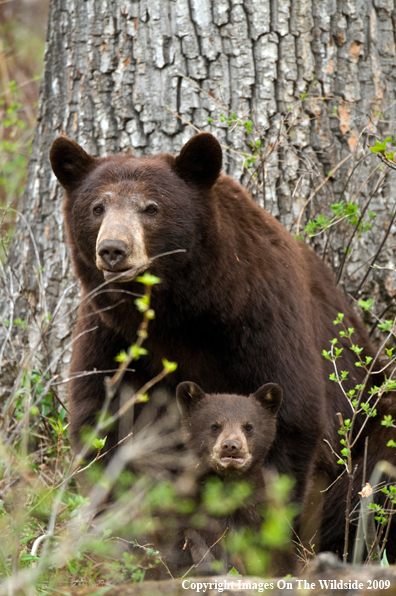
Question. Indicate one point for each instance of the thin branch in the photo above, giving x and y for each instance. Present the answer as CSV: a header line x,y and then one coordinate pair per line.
x,y
317,189
206,554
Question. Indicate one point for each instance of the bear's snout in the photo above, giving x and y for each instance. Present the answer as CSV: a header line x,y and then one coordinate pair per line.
x,y
230,447
120,248
231,452
113,253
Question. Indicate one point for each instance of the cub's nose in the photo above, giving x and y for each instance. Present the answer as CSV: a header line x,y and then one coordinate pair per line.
x,y
230,447
113,253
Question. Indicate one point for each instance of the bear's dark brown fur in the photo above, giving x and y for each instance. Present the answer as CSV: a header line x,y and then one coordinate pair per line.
x,y
244,305
229,437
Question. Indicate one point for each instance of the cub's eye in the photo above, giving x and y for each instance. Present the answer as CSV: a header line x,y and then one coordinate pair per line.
x,y
98,210
151,209
248,428
214,428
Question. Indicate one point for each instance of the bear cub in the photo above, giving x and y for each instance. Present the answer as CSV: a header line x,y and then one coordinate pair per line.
x,y
230,437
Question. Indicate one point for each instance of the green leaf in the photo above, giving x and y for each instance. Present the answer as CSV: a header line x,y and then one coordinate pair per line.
x,y
121,356
379,147
248,126
57,425
234,573
384,560
386,325
148,280
137,351
366,304
169,366
99,443
143,303
387,421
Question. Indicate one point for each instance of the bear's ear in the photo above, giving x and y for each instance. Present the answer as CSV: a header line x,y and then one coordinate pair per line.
x,y
69,162
200,160
270,396
188,394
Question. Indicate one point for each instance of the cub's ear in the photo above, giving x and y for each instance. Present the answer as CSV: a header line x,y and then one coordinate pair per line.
x,y
69,162
200,160
188,395
270,396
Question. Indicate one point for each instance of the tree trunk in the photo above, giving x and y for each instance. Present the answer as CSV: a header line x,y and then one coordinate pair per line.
x,y
311,80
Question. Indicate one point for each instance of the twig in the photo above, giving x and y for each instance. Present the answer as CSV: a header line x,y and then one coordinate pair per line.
x,y
356,228
361,285
382,467
385,160
206,554
317,189
226,147
347,515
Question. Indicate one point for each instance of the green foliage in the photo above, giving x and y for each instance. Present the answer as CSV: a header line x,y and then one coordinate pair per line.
x,y
148,280
22,56
256,549
169,366
384,560
99,443
221,498
342,211
380,147
388,421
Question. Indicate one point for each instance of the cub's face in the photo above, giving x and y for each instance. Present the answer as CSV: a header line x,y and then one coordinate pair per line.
x,y
229,433
122,213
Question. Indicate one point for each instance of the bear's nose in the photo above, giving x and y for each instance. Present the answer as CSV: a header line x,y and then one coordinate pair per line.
x,y
230,447
113,252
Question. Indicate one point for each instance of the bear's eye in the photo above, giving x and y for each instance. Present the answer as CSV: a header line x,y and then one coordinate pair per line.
x,y
248,428
214,428
151,209
98,210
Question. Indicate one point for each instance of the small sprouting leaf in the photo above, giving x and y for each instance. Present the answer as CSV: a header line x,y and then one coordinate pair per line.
x,y
384,560
366,304
386,325
248,126
234,573
137,351
143,303
121,356
387,421
99,443
339,318
148,280
379,147
169,366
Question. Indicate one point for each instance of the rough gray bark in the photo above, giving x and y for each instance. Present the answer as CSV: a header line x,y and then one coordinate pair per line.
x,y
113,67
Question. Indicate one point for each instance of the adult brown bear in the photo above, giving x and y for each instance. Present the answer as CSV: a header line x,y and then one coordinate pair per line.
x,y
244,305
